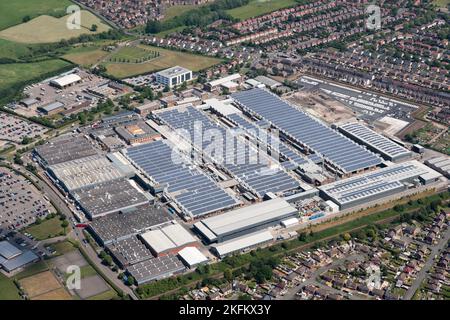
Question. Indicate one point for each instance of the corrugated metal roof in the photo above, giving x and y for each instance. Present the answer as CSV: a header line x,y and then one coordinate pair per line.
x,y
243,243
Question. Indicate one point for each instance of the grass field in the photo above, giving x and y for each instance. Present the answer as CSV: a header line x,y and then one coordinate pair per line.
x,y
40,283
441,3
85,55
178,10
14,73
259,7
8,290
167,59
62,247
107,295
57,294
13,50
46,29
47,229
13,11
33,269
133,54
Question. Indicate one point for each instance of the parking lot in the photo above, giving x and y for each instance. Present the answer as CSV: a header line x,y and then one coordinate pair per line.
x,y
14,129
21,202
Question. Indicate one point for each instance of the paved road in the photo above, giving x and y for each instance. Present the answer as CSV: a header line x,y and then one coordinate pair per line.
x,y
435,250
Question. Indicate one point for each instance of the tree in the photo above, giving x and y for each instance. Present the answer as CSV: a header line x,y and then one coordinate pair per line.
x,y
130,281
228,275
302,237
347,237
94,28
65,224
26,19
26,140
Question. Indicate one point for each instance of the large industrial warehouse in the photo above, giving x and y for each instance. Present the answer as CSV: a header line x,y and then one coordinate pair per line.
x,y
378,184
340,153
260,177
245,220
83,172
376,142
192,191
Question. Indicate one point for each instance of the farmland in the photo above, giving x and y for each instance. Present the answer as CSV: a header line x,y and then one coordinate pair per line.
x,y
166,59
8,289
13,12
259,7
86,55
46,29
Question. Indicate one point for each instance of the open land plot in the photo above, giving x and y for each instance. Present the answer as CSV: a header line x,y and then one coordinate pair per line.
x,y
63,247
8,290
16,73
259,7
40,283
46,229
441,3
92,286
177,10
73,258
107,295
86,55
133,54
58,294
46,29
13,12
166,59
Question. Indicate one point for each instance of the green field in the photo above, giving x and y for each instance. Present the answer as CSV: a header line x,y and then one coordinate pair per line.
x,y
441,3
178,10
133,54
46,229
8,290
13,11
167,59
14,73
86,55
259,7
47,29
13,50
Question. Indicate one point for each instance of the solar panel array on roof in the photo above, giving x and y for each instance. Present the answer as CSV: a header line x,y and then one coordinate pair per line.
x,y
338,150
377,142
254,170
283,149
374,184
192,190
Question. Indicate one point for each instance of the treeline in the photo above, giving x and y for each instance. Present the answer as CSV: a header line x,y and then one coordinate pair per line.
x,y
198,17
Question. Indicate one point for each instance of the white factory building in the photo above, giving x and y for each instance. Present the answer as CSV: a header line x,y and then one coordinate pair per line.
x,y
174,76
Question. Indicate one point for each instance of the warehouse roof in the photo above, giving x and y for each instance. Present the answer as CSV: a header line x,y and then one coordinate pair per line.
x,y
108,197
65,149
86,171
242,243
168,237
66,80
129,222
8,251
377,142
340,152
52,106
375,182
218,82
192,256
246,217
156,268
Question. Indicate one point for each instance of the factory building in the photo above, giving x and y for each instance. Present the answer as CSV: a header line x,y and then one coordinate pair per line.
x,y
242,243
440,164
65,81
245,220
168,239
192,257
12,258
174,76
351,192
387,148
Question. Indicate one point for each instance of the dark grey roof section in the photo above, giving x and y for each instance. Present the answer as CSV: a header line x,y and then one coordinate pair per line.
x,y
124,224
156,269
65,149
195,192
129,251
340,152
108,197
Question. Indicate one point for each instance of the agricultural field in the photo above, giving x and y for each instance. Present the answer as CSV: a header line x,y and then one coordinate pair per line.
x,y
166,59
47,29
259,7
86,56
16,73
178,10
13,12
44,286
